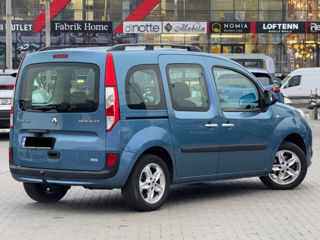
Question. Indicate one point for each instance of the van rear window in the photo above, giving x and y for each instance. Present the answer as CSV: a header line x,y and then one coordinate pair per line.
x,y
59,87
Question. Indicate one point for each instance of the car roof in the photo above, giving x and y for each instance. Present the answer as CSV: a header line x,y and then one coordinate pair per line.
x,y
5,72
257,70
306,71
155,52
6,78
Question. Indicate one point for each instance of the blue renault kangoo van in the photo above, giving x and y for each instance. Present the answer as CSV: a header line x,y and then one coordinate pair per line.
x,y
142,117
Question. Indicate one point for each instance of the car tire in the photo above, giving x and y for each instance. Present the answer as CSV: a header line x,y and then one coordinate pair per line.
x,y
148,185
289,168
40,193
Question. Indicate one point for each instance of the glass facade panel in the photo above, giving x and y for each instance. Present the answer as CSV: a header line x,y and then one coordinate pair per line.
x,y
222,4
288,50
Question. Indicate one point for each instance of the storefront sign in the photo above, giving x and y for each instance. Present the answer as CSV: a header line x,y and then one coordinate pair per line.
x,y
229,27
142,27
184,27
81,26
280,27
314,27
18,26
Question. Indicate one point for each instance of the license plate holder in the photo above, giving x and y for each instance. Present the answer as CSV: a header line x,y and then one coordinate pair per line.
x,y
38,142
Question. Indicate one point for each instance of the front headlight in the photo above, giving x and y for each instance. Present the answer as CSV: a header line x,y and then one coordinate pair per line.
x,y
302,114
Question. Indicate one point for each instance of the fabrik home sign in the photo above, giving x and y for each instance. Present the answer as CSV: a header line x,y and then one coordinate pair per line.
x,y
81,26
184,27
280,27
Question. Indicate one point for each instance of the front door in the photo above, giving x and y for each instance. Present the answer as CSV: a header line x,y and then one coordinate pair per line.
x,y
193,116
246,131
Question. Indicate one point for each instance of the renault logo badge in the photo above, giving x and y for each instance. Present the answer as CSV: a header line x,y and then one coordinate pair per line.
x,y
54,121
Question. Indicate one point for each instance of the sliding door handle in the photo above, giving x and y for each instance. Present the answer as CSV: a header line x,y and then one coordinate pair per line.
x,y
227,125
211,125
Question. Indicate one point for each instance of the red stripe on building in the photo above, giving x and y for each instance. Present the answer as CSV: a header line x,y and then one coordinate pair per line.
x,y
252,27
139,13
55,7
306,27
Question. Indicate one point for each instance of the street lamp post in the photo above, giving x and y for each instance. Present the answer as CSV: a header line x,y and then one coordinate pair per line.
x,y
8,35
47,23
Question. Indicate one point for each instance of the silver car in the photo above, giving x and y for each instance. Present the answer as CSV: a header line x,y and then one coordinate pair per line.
x,y
7,81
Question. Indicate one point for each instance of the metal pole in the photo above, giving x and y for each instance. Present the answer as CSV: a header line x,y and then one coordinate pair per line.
x,y
48,29
8,35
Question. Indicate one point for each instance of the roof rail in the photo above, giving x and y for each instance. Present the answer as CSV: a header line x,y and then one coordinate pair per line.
x,y
152,46
70,46
59,47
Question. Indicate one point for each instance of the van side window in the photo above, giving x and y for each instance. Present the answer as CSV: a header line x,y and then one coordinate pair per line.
x,y
294,81
144,89
236,92
188,89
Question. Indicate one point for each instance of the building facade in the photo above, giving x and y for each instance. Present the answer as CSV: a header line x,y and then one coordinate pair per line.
x,y
286,30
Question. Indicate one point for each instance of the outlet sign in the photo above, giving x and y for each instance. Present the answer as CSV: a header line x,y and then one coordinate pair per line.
x,y
18,26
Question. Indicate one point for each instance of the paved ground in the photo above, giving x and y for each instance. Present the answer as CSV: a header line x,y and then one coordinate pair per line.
x,y
242,209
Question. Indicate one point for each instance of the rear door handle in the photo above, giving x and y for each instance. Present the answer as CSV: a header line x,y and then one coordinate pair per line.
x,y
211,125
227,125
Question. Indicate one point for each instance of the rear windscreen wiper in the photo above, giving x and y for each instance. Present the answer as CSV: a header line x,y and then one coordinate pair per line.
x,y
46,108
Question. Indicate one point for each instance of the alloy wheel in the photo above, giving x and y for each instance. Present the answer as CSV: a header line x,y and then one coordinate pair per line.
x,y
152,183
286,168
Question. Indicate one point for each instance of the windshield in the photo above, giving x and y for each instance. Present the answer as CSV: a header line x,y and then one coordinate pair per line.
x,y
264,78
59,87
285,79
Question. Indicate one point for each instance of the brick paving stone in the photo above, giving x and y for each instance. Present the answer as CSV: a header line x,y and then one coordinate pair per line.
x,y
237,209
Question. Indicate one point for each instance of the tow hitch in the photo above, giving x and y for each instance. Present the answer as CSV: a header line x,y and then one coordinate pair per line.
x,y
42,173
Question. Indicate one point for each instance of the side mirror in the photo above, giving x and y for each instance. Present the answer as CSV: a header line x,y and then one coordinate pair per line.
x,y
269,98
14,74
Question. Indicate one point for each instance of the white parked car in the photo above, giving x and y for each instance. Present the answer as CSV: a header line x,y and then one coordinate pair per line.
x,y
301,82
6,91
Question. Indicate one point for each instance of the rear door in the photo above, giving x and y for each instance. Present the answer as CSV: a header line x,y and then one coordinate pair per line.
x,y
193,114
60,113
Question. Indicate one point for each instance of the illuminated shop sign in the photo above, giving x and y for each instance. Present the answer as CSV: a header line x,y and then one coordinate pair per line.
x,y
314,27
184,27
142,27
18,26
280,27
81,26
229,27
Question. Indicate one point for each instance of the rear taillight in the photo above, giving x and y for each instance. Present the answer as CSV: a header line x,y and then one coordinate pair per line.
x,y
6,86
14,89
60,56
111,159
222,91
11,115
274,89
10,154
112,102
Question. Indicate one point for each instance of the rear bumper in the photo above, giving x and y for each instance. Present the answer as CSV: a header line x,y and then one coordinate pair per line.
x,y
59,174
